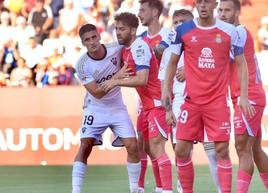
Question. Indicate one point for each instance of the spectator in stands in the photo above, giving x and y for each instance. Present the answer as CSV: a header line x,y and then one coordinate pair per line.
x,y
42,20
22,32
65,75
6,30
10,56
15,8
3,80
33,53
21,75
69,19
263,33
56,6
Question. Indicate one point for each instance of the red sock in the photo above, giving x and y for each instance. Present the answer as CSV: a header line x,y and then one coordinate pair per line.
x,y
156,173
264,177
185,171
225,175
144,162
165,171
242,181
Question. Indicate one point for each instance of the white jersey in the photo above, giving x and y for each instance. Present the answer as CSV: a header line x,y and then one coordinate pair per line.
x,y
178,87
89,69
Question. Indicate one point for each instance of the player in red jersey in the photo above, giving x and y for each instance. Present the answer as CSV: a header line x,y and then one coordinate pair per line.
x,y
206,43
247,129
158,39
140,59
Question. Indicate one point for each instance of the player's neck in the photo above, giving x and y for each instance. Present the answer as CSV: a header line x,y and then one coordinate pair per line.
x,y
130,42
99,54
154,28
207,22
237,22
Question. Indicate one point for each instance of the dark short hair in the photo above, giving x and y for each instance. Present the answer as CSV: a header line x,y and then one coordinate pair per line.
x,y
127,18
237,4
183,12
86,28
155,4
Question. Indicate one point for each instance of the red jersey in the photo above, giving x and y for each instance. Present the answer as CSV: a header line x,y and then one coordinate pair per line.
x,y
206,59
256,93
138,57
164,38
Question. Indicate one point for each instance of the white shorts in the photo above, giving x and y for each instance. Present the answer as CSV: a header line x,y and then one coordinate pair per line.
x,y
176,108
96,121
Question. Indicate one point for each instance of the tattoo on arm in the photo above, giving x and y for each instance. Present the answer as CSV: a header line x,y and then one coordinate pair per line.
x,y
158,50
167,105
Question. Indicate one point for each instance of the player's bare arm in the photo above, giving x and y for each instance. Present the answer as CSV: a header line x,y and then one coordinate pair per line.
x,y
180,75
169,76
95,90
158,51
243,75
140,79
124,72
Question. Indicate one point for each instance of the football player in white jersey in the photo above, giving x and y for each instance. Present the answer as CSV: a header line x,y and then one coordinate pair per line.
x,y
102,109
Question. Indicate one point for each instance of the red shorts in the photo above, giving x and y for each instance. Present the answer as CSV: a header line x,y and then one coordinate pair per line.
x,y
152,122
244,123
193,120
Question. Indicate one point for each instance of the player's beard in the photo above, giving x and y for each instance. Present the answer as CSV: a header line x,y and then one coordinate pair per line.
x,y
125,41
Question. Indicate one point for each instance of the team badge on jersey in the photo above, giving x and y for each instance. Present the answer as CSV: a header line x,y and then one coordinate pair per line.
x,y
218,38
114,61
193,39
140,53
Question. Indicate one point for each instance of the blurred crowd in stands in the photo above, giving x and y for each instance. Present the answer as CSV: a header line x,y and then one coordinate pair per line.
x,y
39,41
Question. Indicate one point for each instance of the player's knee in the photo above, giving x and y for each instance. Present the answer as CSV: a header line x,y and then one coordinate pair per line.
x,y
222,152
182,152
132,148
85,149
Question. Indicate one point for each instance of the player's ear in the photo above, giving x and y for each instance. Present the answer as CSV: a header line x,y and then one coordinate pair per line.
x,y
133,31
216,4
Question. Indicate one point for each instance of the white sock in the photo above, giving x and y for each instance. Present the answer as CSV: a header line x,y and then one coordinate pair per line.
x,y
158,189
78,174
210,151
133,170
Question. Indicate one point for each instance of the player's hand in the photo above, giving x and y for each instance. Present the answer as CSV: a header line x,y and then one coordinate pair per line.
x,y
180,75
108,85
246,107
124,72
170,118
166,100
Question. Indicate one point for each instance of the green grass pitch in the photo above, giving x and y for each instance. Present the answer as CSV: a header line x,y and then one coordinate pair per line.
x,y
100,179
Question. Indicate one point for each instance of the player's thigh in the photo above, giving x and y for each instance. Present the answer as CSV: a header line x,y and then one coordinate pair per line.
x,y
217,123
121,124
157,123
92,126
142,125
250,125
190,125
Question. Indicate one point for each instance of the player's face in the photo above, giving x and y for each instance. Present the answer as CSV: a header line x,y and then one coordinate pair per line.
x,y
205,8
145,14
227,12
91,40
123,33
178,20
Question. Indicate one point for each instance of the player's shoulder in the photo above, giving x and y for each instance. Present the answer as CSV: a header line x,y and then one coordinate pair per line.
x,y
186,26
139,43
113,46
81,60
113,49
143,34
225,27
